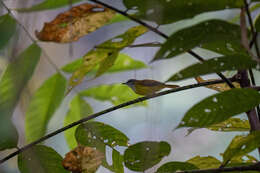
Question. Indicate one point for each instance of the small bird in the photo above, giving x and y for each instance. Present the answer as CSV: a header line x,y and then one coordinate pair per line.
x,y
147,87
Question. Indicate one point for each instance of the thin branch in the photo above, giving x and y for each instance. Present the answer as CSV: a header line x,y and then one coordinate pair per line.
x,y
253,167
111,109
31,37
155,30
252,27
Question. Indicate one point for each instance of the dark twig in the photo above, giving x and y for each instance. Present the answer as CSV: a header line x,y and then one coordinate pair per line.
x,y
253,167
111,109
155,30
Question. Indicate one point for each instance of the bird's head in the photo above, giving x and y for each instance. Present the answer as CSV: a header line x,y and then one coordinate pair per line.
x,y
131,83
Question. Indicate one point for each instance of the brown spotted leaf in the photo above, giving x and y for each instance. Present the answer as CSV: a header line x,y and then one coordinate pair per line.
x,y
83,160
217,87
75,23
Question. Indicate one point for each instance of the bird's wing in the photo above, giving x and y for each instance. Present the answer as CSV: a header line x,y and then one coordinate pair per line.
x,y
151,83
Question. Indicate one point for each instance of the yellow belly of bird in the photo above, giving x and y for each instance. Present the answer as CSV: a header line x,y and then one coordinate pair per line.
x,y
144,90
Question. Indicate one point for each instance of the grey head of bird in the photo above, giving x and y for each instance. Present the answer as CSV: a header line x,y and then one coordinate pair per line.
x,y
130,83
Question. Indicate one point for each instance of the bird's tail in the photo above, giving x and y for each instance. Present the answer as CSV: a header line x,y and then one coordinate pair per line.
x,y
171,86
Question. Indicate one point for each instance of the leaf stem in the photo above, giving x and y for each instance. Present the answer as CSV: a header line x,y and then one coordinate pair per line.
x,y
155,30
111,109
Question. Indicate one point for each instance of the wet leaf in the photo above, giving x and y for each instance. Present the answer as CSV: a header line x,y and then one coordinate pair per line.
x,y
104,51
78,109
220,107
75,23
116,94
122,63
241,145
217,87
144,155
83,160
48,5
40,158
12,82
205,162
231,125
169,11
207,32
215,65
43,105
174,167
7,29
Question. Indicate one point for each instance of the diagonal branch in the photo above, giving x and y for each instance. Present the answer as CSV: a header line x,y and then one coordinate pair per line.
x,y
155,30
111,109
253,167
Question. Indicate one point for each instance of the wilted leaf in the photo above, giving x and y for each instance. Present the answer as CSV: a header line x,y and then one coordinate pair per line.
x,y
79,108
172,167
40,159
230,125
217,87
116,94
144,155
220,107
75,23
215,65
205,162
93,133
48,5
83,160
169,11
122,63
241,145
104,51
13,81
42,106
7,29
207,32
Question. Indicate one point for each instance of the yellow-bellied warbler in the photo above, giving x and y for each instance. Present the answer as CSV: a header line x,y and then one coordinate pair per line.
x,y
147,87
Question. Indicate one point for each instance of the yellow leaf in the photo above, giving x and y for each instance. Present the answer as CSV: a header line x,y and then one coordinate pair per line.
x,y
75,23
83,160
217,87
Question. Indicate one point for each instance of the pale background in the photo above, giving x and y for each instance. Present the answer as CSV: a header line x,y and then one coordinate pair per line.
x,y
155,122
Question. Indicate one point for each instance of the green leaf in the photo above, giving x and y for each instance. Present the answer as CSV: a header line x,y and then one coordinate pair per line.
x,y
257,23
122,63
40,159
205,162
220,107
118,161
92,133
48,5
100,135
172,167
116,94
144,155
13,81
7,29
207,32
118,18
215,65
241,145
106,50
231,125
79,109
42,106
165,12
